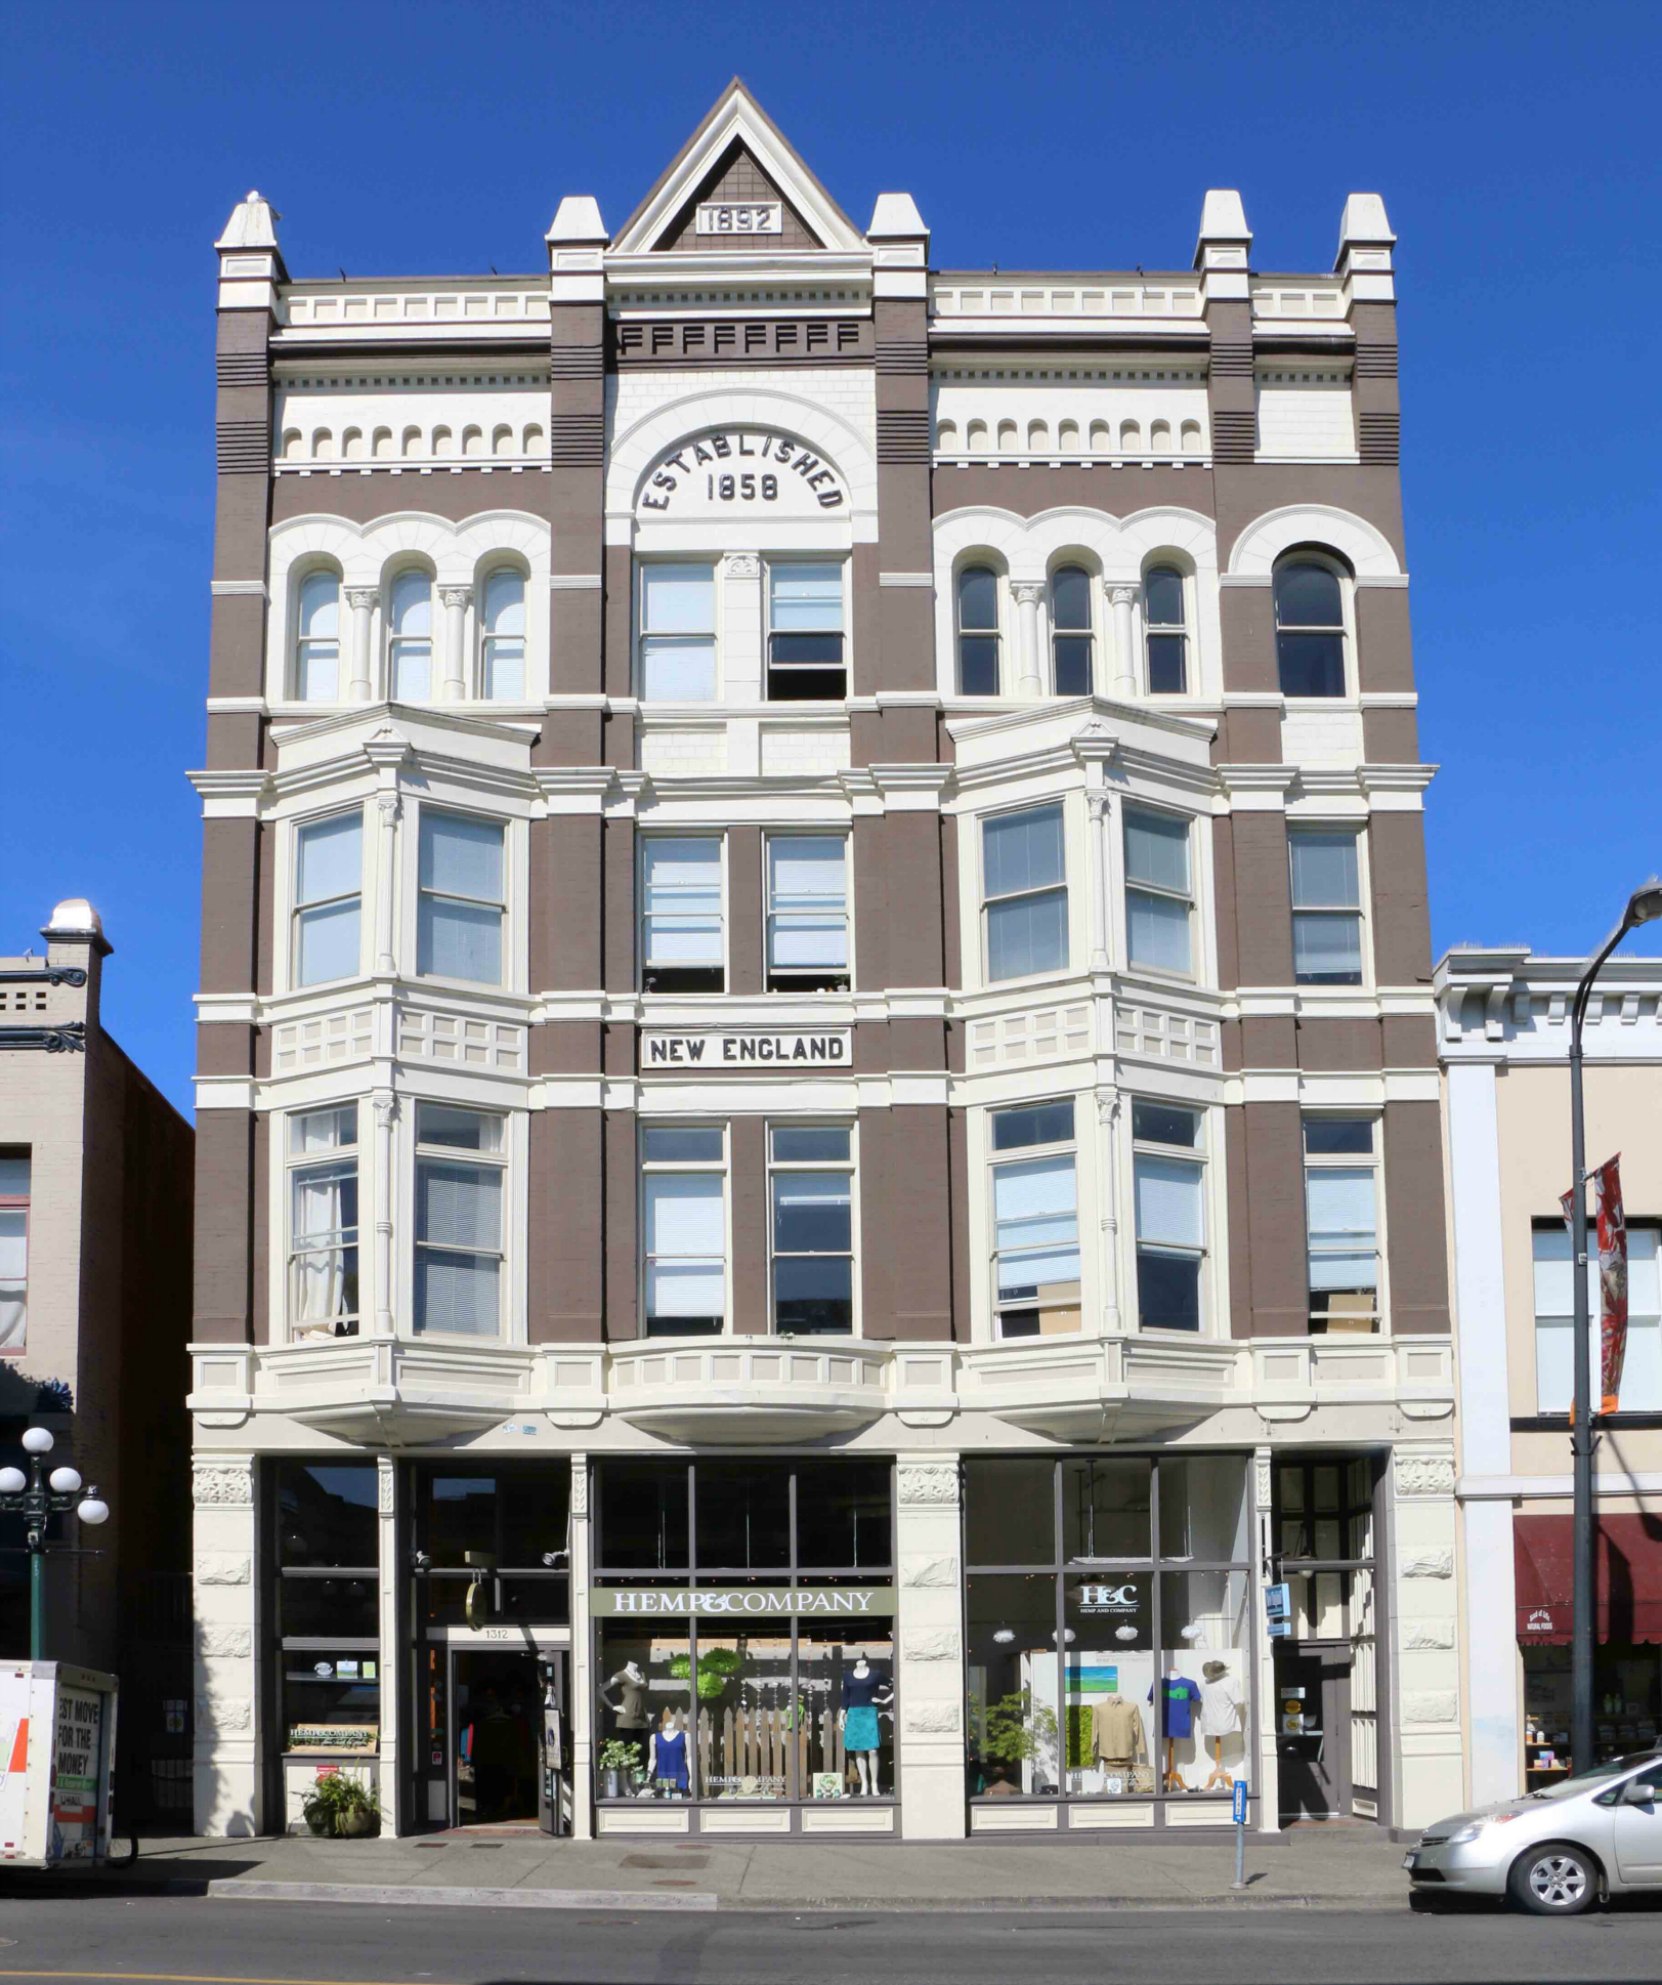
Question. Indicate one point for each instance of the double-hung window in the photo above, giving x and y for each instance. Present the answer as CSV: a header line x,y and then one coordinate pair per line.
x,y
1159,892
410,638
1341,1215
1165,631
502,636
811,1195
807,912
14,1250
684,1228
683,940
1024,893
460,901
1641,1386
328,898
805,633
1035,1221
317,638
1070,630
323,1222
976,599
1327,906
1168,1182
1309,628
460,1182
677,639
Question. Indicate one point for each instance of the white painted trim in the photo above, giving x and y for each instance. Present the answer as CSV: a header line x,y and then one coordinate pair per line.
x,y
1362,544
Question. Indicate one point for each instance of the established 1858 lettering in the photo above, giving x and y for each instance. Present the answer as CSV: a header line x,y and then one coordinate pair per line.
x,y
742,466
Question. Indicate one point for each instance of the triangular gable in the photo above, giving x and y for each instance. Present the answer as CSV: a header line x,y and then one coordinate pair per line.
x,y
737,153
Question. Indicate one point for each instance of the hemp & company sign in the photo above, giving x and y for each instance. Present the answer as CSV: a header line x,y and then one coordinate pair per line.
x,y
842,1602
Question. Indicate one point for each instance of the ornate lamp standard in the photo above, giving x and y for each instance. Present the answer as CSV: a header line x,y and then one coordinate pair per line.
x,y
36,1497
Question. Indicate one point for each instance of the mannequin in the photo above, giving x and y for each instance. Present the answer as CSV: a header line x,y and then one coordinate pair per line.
x,y
864,1691
1220,1709
666,1764
1178,1698
629,1708
1118,1744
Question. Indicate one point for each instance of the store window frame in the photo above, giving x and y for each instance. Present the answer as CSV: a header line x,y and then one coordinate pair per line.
x,y
493,1567
1157,1567
796,1571
333,1647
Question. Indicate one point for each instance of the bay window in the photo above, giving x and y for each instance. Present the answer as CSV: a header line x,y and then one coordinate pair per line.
x,y
684,1228
1035,1191
1159,893
1168,1180
460,901
1024,893
323,1223
460,1181
328,899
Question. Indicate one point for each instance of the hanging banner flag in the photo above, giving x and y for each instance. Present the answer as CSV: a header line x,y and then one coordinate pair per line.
x,y
1612,1248
1612,1281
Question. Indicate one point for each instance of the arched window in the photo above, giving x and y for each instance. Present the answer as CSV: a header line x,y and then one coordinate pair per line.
x,y
1165,631
410,638
502,636
946,436
1131,438
1159,437
1309,627
1067,437
1070,630
978,631
317,639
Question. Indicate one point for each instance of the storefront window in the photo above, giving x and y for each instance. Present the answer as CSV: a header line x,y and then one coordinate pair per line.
x,y
326,1530
1085,1653
771,1675
492,1545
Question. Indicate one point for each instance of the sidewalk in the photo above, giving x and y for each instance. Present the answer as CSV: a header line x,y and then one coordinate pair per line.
x,y
1312,1868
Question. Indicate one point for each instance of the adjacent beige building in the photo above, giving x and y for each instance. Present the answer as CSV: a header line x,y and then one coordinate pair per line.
x,y
1505,1044
95,1242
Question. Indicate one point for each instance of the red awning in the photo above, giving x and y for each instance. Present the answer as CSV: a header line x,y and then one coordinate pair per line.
x,y
1628,1578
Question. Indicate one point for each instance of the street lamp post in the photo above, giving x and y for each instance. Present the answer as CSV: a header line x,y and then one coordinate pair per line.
x,y
37,1497
1644,905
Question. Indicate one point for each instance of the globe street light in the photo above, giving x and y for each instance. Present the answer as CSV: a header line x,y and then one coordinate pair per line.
x,y
37,1498
1644,906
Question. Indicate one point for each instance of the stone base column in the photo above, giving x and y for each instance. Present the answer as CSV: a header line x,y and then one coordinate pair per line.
x,y
1425,1610
580,1709
1264,1769
391,1667
929,1657
226,1602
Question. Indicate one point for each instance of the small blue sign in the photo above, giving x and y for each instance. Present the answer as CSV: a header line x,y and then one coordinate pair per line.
x,y
1238,1804
1278,1611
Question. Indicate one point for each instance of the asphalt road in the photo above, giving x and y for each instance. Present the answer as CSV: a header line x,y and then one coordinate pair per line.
x,y
152,1941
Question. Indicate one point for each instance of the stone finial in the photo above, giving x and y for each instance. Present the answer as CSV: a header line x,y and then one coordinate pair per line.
x,y
75,921
1364,224
896,217
578,221
252,224
1223,222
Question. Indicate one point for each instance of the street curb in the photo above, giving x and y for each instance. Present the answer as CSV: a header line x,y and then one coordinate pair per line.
x,y
241,1890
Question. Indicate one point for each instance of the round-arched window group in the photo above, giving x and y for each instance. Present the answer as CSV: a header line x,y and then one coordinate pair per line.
x,y
419,661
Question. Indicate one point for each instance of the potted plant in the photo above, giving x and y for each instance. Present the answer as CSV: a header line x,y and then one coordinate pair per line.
x,y
1017,1730
617,1759
339,1807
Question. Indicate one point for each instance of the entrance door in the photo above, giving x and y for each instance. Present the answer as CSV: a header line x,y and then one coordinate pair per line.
x,y
1315,1763
496,1723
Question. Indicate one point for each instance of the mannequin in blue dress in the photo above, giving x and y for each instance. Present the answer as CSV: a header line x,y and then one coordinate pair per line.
x,y
864,1691
667,1764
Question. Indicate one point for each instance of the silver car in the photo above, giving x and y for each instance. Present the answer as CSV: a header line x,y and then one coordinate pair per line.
x,y
1555,1851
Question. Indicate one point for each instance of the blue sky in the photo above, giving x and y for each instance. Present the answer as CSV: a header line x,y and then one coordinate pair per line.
x,y
1516,146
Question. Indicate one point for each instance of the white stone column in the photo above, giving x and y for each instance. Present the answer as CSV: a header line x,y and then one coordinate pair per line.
x,y
1122,599
1027,593
385,1105
1101,826
743,659
580,1707
1108,1216
386,881
453,682
929,1659
225,1603
390,1670
1262,1750
1425,1613
361,600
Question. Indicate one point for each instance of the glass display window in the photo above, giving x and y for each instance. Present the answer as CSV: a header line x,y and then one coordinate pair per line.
x,y
492,1544
1205,1627
1014,1684
1108,1674
325,1529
